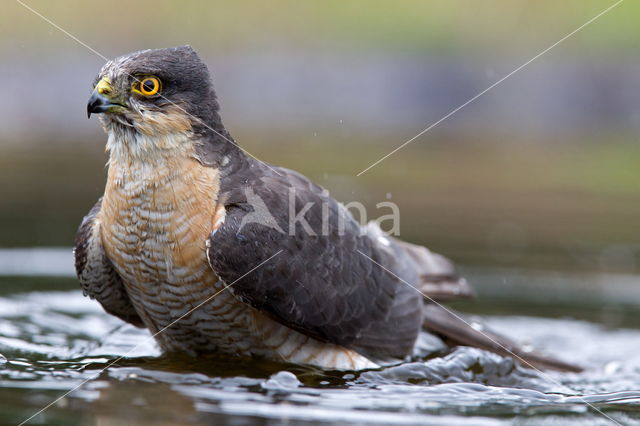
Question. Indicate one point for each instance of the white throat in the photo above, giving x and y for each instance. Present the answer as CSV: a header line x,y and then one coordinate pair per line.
x,y
127,146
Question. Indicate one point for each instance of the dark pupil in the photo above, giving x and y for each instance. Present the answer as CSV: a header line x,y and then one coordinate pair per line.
x,y
148,85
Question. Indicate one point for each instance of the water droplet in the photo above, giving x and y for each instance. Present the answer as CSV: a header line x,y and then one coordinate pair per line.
x,y
282,380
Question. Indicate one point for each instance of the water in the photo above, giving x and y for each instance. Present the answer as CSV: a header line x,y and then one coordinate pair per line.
x,y
52,339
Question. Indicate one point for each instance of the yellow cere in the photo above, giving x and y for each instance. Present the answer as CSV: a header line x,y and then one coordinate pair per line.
x,y
104,86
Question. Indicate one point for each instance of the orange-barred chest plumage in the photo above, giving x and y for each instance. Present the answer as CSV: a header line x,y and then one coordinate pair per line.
x,y
155,220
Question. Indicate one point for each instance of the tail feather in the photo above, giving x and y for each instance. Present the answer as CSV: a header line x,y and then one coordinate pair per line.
x,y
439,280
449,325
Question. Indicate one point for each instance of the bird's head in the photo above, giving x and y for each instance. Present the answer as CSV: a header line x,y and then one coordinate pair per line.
x,y
154,93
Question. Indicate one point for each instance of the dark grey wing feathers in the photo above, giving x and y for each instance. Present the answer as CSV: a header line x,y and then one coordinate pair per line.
x,y
96,274
321,285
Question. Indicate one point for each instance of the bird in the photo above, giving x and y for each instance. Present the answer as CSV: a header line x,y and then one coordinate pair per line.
x,y
216,252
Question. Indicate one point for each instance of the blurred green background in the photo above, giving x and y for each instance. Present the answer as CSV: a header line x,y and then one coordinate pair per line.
x,y
542,171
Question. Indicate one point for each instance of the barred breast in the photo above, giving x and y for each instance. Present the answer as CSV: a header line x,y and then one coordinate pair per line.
x,y
155,219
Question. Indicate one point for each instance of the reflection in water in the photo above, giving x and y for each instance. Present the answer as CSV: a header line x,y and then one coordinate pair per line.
x,y
54,340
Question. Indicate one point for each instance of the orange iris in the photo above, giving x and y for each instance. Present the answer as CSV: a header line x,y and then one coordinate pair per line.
x,y
149,86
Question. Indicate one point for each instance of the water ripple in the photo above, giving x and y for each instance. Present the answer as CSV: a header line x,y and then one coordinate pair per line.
x,y
52,341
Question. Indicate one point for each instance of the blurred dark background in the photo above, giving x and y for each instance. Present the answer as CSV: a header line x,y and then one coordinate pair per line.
x,y
541,171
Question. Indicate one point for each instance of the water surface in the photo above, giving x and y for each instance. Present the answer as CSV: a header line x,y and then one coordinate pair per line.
x,y
52,339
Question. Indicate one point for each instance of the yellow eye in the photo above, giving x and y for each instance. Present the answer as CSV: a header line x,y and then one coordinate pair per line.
x,y
149,86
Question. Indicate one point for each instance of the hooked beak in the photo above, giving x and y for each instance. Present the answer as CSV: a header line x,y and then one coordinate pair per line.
x,y
101,99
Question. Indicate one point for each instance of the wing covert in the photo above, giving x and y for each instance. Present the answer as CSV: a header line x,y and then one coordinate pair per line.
x,y
322,283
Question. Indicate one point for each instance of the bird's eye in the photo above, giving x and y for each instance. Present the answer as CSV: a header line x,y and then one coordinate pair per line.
x,y
149,86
